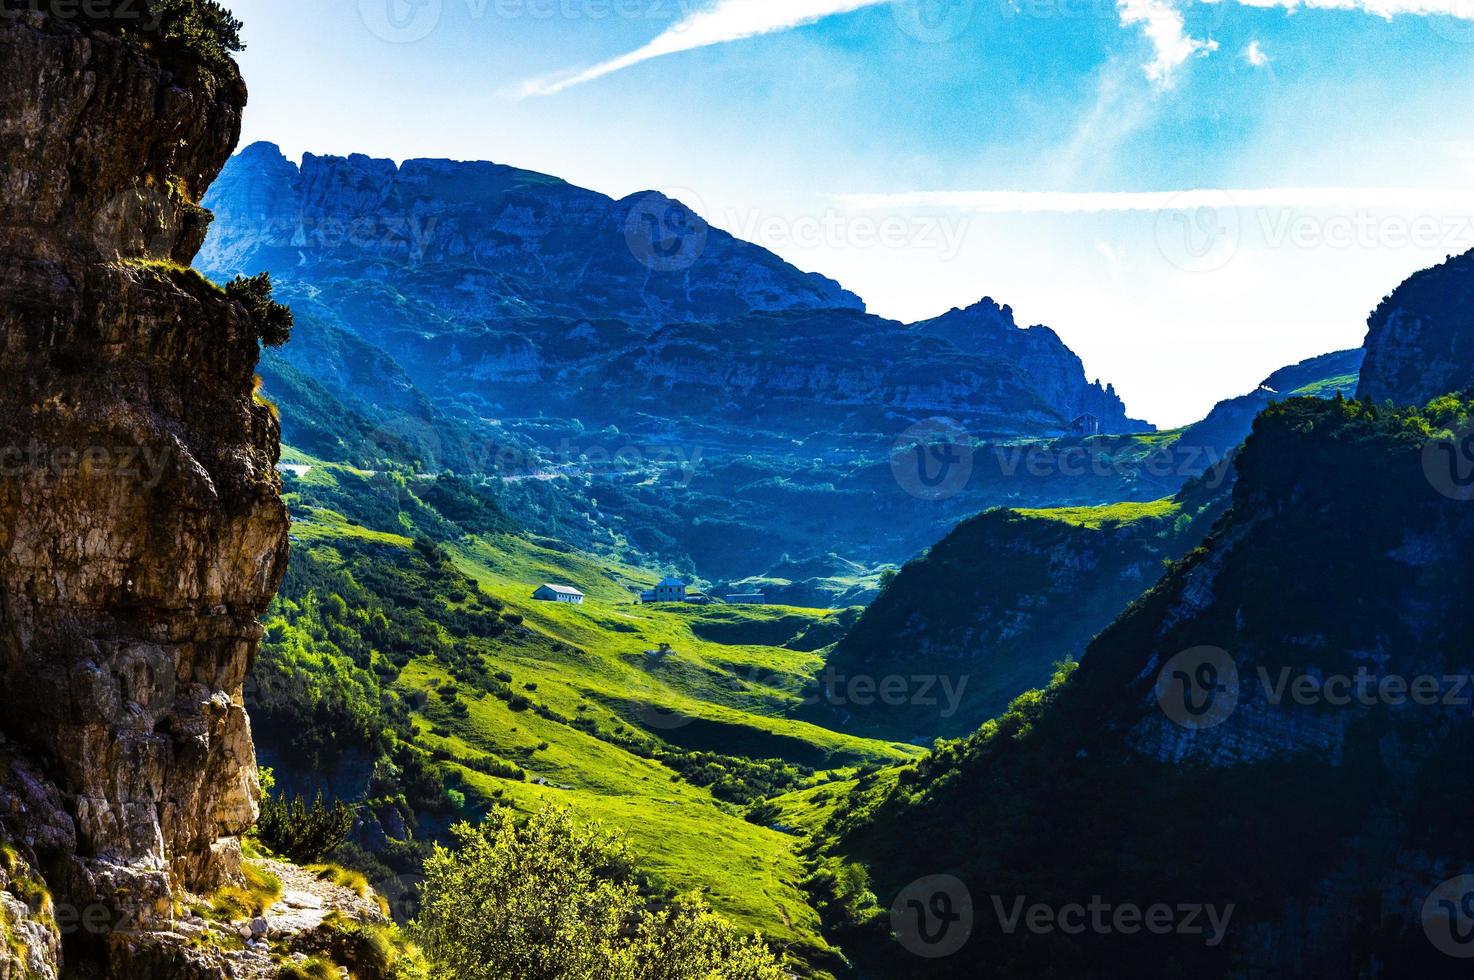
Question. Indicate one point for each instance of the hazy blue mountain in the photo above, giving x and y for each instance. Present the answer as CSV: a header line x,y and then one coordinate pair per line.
x,y
491,241
701,400
1322,377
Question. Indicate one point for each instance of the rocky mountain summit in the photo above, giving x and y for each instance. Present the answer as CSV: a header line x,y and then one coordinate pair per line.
x,y
1420,342
142,531
987,329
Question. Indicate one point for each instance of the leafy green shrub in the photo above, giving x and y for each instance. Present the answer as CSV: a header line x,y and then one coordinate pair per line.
x,y
304,834
203,29
369,950
272,320
841,893
552,899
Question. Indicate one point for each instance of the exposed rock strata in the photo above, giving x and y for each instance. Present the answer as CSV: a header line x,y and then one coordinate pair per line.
x,y
142,531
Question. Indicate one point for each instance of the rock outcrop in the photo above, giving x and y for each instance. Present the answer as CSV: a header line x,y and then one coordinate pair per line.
x,y
1420,342
1053,371
142,531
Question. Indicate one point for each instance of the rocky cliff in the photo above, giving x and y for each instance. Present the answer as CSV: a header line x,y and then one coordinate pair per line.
x,y
1420,342
1279,726
142,532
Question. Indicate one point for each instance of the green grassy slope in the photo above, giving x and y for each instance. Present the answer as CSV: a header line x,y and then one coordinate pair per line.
x,y
991,608
403,638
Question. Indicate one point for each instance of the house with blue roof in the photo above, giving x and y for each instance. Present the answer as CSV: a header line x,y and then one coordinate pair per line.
x,y
666,590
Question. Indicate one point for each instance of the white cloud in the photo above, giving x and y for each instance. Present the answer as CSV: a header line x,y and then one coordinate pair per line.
x,y
1463,9
723,22
1255,55
1069,202
1165,27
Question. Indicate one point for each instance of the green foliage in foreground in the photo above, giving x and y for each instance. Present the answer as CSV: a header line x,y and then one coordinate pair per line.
x,y
304,834
552,899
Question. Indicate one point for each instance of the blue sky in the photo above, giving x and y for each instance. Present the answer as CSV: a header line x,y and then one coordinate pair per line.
x,y
1192,194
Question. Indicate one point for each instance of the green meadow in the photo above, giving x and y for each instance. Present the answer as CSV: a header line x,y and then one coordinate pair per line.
x,y
668,721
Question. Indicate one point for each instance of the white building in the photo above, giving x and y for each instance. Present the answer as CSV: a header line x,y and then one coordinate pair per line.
x,y
667,590
559,593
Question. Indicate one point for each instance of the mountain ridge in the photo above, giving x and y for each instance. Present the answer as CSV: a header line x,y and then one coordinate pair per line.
x,y
532,313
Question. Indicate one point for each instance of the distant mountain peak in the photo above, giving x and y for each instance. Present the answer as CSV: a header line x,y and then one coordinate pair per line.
x,y
990,329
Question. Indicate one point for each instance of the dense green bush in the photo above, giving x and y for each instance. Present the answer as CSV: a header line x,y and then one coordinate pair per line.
x,y
551,899
304,834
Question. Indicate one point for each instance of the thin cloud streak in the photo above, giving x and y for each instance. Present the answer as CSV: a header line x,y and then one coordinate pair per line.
x,y
1462,9
1118,202
1161,21
724,22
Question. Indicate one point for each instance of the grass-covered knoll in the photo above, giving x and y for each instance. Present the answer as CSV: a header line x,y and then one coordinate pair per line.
x,y
407,667
1337,556
1121,515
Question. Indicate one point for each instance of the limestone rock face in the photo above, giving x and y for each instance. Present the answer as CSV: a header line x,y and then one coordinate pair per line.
x,y
142,532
